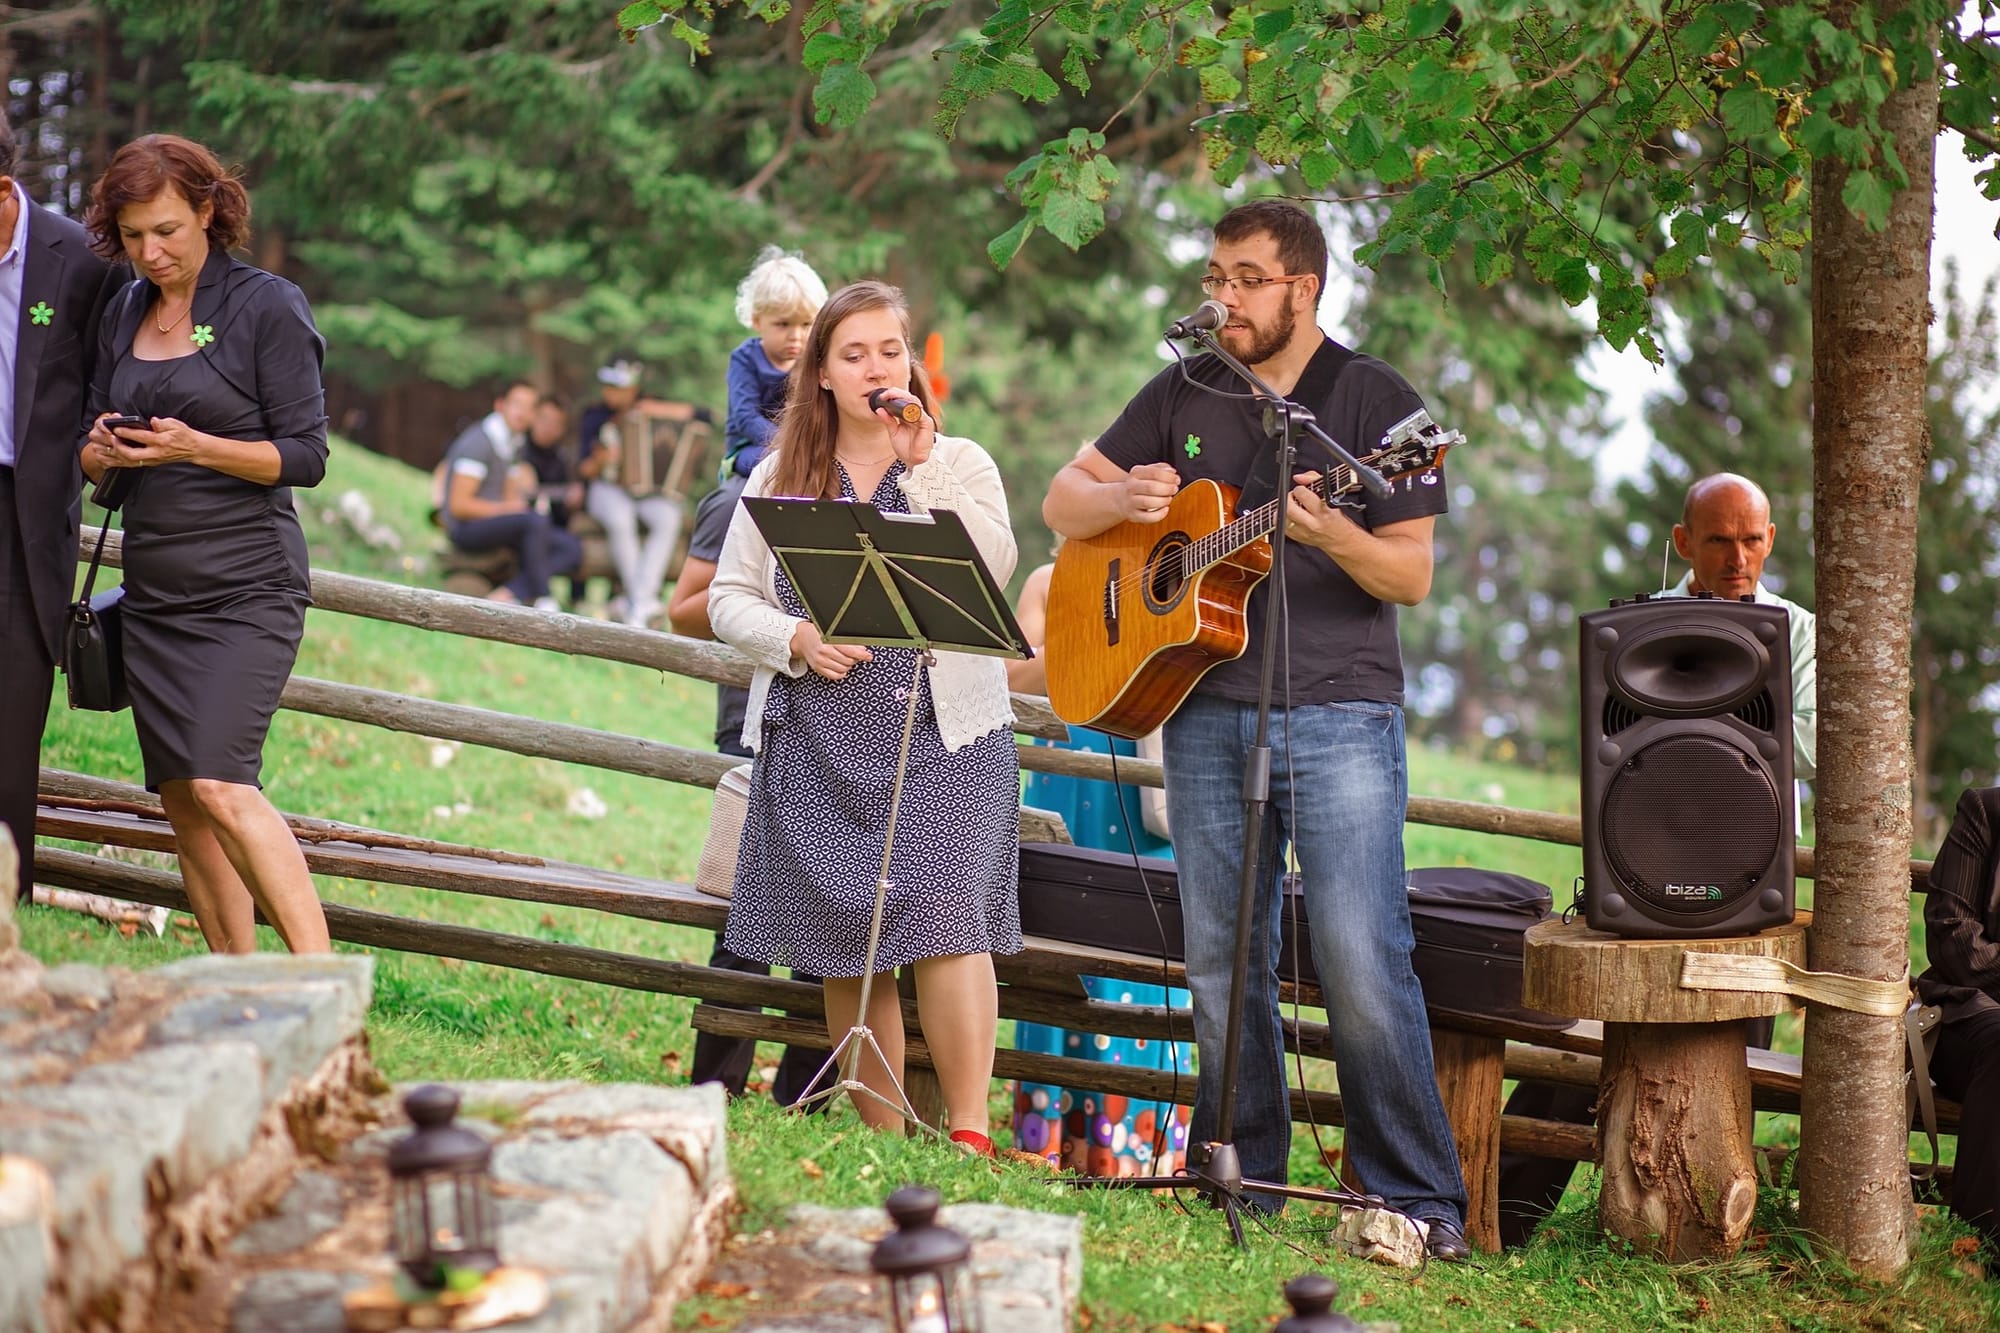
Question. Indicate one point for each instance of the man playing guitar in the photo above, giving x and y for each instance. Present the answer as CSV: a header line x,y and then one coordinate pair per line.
x,y
1338,785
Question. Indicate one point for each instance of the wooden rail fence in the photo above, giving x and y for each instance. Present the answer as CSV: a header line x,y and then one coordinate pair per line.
x,y
1040,985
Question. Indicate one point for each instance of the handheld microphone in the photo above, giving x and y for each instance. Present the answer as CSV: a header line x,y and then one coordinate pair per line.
x,y
1208,317
897,404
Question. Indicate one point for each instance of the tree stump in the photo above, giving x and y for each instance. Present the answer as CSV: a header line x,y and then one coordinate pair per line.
x,y
1674,1117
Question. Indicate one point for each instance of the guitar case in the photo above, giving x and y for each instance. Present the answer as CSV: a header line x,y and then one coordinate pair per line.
x,y
1468,922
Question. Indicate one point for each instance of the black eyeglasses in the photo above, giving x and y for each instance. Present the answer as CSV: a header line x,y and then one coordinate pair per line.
x,y
1213,284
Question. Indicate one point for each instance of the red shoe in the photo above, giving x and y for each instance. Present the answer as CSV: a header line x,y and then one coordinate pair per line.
x,y
972,1143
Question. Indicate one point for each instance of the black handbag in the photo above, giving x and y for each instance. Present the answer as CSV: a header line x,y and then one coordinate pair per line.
x,y
93,663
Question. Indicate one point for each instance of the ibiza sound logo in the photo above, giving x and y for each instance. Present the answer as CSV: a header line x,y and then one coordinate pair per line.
x,y
1705,892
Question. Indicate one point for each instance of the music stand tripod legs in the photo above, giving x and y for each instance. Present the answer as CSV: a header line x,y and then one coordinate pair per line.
x,y
846,1058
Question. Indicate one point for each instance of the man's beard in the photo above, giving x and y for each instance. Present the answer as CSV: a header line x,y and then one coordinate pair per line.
x,y
1267,342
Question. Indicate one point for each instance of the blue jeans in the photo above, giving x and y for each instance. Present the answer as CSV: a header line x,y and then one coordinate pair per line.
x,y
1338,791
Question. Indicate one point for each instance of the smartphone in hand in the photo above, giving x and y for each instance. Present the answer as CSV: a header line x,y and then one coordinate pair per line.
x,y
115,487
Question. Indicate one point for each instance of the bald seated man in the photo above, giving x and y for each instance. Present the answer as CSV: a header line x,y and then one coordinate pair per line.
x,y
1725,535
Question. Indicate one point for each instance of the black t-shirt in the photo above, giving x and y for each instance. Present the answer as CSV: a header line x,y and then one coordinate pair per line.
x,y
711,527
1343,642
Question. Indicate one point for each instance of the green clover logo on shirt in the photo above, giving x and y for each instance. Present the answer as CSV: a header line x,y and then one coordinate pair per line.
x,y
1193,445
202,336
41,312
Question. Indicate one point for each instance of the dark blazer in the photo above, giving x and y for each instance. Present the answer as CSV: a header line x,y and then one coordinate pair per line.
x,y
1962,911
51,373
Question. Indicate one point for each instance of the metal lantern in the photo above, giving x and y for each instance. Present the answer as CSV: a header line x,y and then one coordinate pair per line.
x,y
1311,1298
928,1267
441,1197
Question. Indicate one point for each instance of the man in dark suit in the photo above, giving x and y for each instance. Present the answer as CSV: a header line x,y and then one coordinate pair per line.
x,y
51,292
1962,936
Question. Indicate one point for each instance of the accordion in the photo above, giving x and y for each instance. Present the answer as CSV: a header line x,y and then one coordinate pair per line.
x,y
655,457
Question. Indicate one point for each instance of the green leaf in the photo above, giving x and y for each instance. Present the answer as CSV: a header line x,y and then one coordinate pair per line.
x,y
1219,84
823,48
1867,196
1071,218
1572,279
1749,111
1427,17
1318,167
1268,27
1393,165
1002,248
1364,140
638,16
843,96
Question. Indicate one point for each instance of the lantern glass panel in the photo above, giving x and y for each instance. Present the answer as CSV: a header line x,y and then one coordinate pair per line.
x,y
941,1302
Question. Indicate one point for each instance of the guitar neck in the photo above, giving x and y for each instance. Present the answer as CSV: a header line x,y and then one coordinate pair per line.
x,y
1262,521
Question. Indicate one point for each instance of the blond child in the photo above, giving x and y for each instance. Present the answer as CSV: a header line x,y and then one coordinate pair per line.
x,y
777,302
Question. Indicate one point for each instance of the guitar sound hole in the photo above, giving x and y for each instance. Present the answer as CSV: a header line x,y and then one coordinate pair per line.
x,y
1167,574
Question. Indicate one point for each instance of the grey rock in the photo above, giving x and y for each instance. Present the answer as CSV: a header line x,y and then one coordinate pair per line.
x,y
24,1275
203,1100
293,1301
311,1208
825,1321
614,1101
78,985
351,974
623,1163
98,1171
293,1030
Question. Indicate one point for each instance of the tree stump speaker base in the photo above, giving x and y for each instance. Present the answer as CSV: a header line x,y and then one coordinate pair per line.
x,y
1674,1116
1673,1134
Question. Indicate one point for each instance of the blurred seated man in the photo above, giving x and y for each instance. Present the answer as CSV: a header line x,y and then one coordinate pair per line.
x,y
489,501
559,482
1962,934
1725,535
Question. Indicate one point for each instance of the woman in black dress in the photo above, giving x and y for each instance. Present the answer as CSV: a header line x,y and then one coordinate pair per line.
x,y
223,362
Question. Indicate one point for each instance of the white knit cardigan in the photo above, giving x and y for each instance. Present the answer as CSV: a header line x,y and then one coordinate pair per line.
x,y
968,691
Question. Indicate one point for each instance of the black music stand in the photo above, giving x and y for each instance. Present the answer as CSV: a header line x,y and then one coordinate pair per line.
x,y
886,580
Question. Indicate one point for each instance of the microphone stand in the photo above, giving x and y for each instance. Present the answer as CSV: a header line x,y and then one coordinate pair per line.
x,y
1219,1172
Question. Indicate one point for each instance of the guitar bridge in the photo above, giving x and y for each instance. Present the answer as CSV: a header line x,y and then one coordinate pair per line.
x,y
1111,604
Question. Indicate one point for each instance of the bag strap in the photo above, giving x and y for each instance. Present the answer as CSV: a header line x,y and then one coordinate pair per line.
x,y
90,579
1920,1026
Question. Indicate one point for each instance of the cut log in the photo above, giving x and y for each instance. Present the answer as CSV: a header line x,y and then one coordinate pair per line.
x,y
1674,1127
1674,1119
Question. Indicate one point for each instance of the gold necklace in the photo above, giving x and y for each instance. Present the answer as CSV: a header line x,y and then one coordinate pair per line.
x,y
866,462
169,328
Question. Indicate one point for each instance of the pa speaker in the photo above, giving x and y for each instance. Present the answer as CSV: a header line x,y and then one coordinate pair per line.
x,y
1687,767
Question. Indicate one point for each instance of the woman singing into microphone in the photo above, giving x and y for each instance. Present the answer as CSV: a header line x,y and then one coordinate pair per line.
x,y
826,722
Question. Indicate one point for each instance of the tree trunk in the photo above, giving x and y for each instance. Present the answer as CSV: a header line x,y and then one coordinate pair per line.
x,y
1871,312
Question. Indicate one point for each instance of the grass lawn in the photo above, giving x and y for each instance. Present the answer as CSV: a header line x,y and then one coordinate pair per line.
x,y
1149,1264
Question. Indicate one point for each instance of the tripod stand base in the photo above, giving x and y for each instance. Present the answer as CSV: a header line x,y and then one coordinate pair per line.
x,y
1214,1170
859,1037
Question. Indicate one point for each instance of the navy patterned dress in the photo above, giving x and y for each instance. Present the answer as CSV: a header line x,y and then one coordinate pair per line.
x,y
819,811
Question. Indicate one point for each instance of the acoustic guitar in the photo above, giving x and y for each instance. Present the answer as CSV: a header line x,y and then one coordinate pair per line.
x,y
1138,613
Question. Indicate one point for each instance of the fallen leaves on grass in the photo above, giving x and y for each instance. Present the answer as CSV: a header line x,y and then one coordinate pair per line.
x,y
670,1061
725,1291
811,1169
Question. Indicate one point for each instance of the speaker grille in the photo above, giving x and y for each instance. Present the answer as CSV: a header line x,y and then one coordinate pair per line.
x,y
1691,824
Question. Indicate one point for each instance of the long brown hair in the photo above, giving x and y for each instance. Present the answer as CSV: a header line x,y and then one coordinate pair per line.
x,y
810,426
